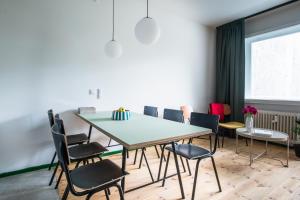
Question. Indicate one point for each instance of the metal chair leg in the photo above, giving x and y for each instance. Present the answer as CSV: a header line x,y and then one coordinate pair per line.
x,y
66,193
216,173
58,180
127,154
223,139
53,174
88,197
109,142
156,151
166,168
120,192
106,194
210,144
135,155
77,164
52,161
195,179
189,168
182,163
143,153
123,168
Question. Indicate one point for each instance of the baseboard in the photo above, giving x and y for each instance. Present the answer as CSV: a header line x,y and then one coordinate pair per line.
x,y
22,171
44,166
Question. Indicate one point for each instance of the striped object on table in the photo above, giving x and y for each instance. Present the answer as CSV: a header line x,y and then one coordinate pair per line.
x,y
117,115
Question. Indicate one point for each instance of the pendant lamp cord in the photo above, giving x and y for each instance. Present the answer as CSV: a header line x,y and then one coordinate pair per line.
x,y
113,19
147,9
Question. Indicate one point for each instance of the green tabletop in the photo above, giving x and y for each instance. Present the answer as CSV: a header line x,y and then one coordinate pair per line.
x,y
141,130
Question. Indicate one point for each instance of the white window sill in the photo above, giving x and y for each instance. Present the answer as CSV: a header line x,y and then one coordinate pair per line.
x,y
272,102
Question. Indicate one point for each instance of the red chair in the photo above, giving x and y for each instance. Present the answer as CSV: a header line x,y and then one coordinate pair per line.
x,y
224,110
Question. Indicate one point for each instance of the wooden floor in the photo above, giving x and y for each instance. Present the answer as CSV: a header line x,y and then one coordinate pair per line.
x,y
265,179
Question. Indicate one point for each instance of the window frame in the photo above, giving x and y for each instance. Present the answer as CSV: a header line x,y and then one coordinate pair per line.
x,y
256,38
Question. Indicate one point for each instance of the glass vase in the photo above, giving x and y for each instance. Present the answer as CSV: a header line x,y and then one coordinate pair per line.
x,y
249,124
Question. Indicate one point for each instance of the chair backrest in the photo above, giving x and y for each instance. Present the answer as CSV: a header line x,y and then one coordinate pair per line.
x,y
60,124
151,111
207,121
173,115
61,147
186,109
227,109
51,117
217,109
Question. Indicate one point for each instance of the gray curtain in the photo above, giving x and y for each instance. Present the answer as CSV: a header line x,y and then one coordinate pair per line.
x,y
230,67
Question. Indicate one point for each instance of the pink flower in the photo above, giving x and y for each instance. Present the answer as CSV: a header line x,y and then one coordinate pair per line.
x,y
250,110
245,110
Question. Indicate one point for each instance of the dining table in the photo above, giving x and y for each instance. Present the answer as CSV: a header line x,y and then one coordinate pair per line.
x,y
141,131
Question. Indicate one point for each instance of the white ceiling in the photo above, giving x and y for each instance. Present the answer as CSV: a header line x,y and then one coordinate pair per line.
x,y
217,12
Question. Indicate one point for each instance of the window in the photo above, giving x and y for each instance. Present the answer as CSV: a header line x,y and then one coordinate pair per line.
x,y
273,65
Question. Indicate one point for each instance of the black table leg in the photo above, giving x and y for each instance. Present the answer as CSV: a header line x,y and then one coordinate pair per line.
x,y
90,133
135,155
178,171
161,160
124,154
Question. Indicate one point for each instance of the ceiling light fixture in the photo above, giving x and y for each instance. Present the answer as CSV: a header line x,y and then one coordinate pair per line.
x,y
113,48
147,30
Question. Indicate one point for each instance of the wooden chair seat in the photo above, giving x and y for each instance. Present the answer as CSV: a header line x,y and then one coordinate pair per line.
x,y
231,125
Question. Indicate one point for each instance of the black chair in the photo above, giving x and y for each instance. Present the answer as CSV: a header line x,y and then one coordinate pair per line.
x,y
173,115
150,111
72,139
91,178
177,116
78,153
193,152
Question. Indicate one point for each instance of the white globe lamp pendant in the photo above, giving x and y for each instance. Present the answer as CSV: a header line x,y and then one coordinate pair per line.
x,y
113,48
147,30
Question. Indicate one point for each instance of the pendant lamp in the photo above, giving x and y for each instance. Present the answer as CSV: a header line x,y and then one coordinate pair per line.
x,y
147,30
113,48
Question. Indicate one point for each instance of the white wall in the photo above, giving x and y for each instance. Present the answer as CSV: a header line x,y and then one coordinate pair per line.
x,y
51,53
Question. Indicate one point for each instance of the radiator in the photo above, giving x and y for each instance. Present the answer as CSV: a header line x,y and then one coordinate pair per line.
x,y
279,121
